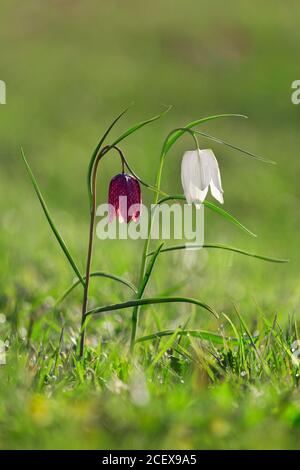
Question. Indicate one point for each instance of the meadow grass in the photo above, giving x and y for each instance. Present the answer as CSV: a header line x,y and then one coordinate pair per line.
x,y
236,384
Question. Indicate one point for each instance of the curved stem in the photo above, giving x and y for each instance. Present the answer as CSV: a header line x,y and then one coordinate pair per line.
x,y
123,161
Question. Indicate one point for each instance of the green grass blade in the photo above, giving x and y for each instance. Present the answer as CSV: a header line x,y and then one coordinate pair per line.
x,y
50,221
227,216
139,125
119,279
176,134
214,208
98,147
141,289
264,364
164,349
235,147
246,253
202,334
149,269
220,246
150,301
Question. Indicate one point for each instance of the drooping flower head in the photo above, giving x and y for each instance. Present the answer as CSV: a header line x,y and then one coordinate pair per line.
x,y
200,170
124,197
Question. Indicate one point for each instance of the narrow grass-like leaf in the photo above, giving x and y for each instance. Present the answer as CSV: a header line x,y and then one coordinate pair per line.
x,y
235,147
221,247
238,337
285,348
202,334
50,221
264,364
140,293
164,348
95,274
150,301
98,147
229,217
149,269
213,207
139,125
176,134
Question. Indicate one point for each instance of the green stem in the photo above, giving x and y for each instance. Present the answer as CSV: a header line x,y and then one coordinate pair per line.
x,y
170,140
142,286
90,249
88,270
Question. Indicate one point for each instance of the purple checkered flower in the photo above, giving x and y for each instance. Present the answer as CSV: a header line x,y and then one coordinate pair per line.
x,y
124,198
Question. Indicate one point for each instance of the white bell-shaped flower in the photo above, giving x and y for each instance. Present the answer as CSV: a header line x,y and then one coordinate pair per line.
x,y
199,170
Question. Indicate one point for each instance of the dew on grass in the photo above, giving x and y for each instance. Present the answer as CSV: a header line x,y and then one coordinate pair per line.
x,y
243,373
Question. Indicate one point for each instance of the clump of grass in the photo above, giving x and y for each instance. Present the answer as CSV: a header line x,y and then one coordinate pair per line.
x,y
186,388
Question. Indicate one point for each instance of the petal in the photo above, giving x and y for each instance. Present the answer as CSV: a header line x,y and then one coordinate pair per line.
x,y
133,198
117,187
133,191
122,211
192,184
215,181
111,213
199,197
134,212
217,194
214,169
205,169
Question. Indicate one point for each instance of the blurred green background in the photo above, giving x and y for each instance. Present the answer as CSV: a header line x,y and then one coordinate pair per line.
x,y
70,67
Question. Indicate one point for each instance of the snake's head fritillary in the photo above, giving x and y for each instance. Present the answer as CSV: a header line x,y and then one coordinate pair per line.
x,y
124,198
199,171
